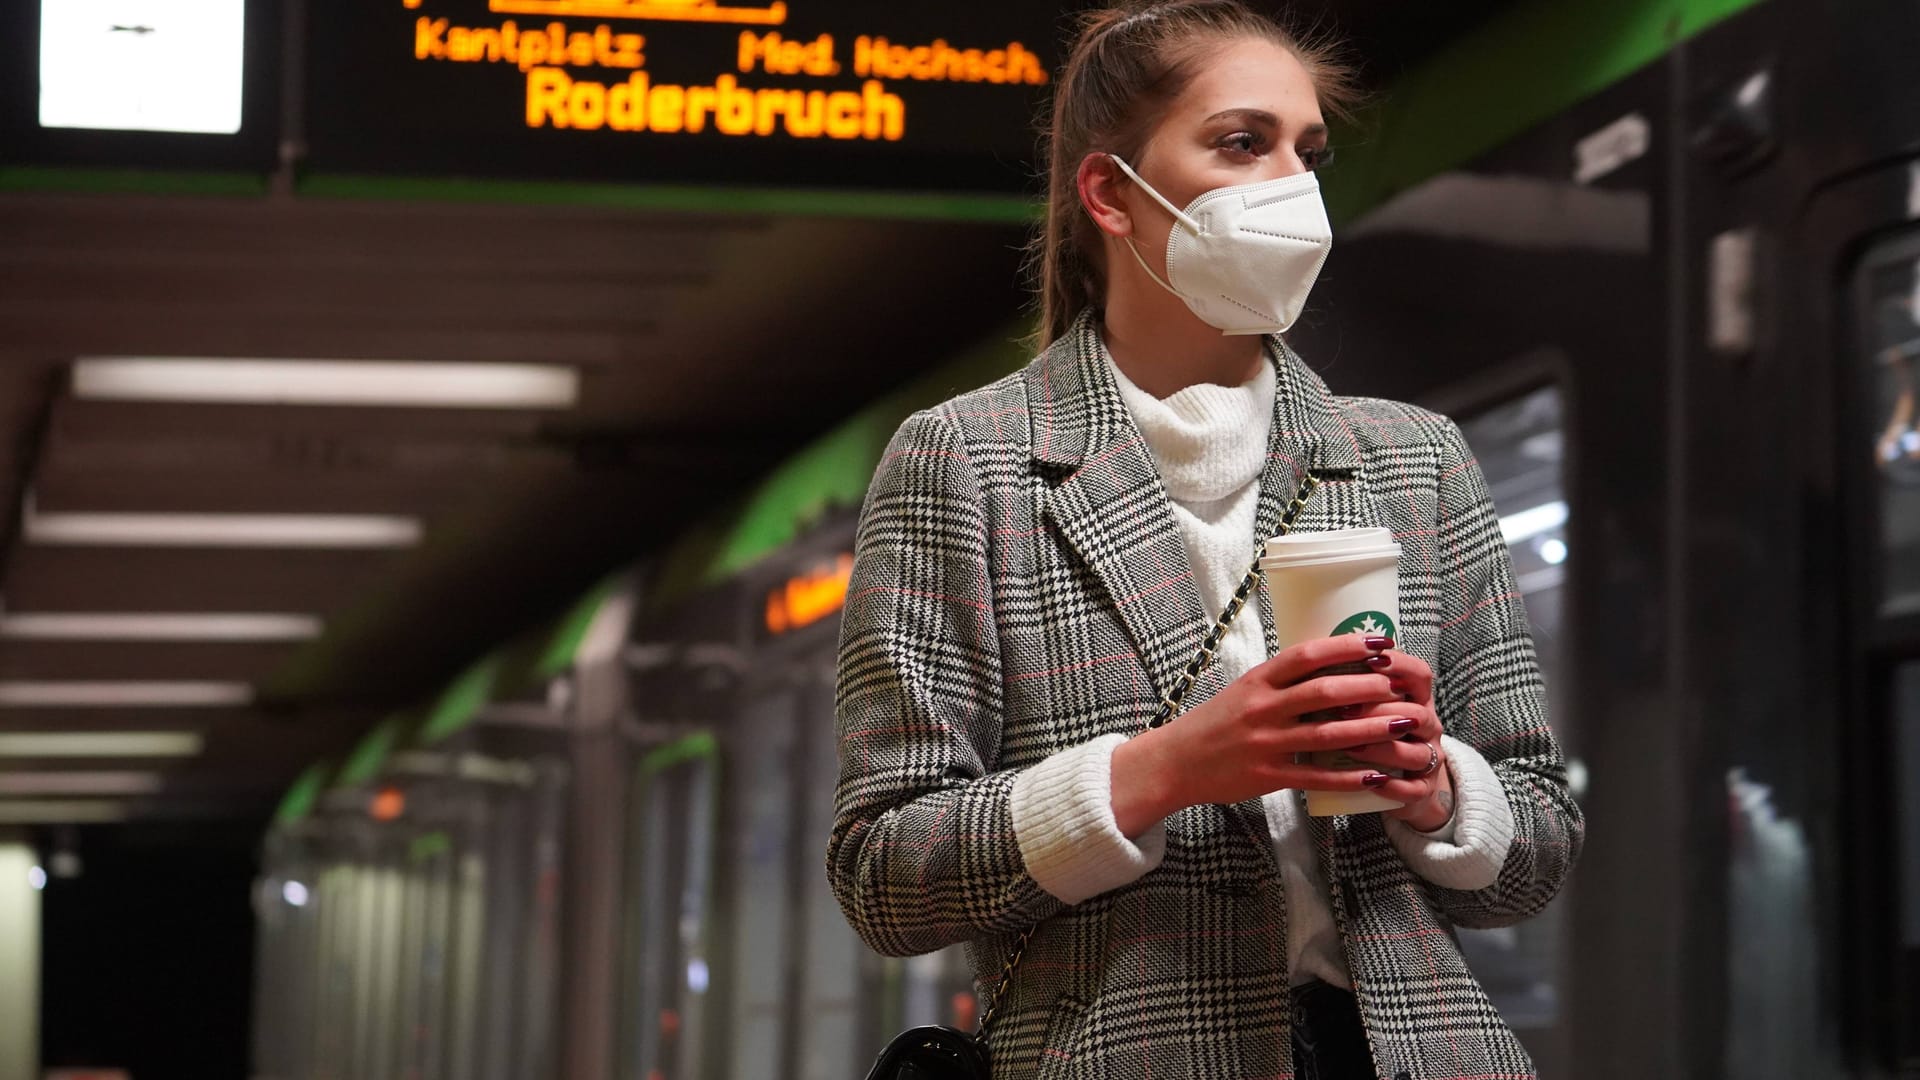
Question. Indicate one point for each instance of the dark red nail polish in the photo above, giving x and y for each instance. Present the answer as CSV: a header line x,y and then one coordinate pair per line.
x,y
1379,663
1379,644
1348,712
1402,725
1374,779
1398,685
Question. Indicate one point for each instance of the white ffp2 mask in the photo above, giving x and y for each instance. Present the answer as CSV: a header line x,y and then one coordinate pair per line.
x,y
1245,257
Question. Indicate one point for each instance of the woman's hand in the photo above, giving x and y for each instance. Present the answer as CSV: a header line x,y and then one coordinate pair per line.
x,y
1426,791
1241,743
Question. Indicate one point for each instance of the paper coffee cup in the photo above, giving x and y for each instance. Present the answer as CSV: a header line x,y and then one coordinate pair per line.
x,y
1328,583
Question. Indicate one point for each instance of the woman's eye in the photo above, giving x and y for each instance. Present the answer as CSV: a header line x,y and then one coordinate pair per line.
x,y
1315,157
1246,142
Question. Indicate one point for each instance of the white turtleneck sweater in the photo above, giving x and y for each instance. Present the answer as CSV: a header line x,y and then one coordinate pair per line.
x,y
1209,443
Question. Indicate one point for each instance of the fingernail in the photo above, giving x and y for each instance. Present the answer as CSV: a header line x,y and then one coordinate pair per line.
x,y
1374,779
1348,712
1401,726
1379,663
1398,685
1379,644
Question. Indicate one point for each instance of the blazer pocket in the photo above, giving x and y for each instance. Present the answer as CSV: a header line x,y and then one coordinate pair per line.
x,y
1062,1041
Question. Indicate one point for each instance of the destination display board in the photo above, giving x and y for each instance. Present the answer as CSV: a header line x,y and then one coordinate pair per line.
x,y
838,93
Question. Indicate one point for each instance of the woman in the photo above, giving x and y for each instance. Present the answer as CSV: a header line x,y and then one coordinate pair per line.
x,y
1039,559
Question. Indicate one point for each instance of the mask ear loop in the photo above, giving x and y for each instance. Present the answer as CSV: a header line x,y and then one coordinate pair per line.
x,y
1179,215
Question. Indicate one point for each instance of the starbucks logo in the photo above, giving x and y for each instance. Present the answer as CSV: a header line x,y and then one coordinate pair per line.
x,y
1370,623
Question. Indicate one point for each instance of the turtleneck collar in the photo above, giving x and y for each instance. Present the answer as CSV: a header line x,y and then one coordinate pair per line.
x,y
1209,441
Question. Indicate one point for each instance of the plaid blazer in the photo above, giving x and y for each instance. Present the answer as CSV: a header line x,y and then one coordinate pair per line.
x,y
1020,587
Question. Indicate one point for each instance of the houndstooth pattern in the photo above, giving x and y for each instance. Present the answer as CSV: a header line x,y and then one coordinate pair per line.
x,y
1020,587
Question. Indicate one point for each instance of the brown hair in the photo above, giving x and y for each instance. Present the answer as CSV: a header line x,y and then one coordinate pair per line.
x,y
1126,63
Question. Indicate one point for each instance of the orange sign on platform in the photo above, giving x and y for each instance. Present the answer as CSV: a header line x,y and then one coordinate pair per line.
x,y
807,599
388,804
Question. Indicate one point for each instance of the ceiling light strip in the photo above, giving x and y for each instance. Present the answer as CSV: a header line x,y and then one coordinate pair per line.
x,y
414,384
220,530
89,784
60,812
100,744
109,695
103,626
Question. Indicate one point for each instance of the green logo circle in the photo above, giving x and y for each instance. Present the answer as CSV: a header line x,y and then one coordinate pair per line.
x,y
1370,623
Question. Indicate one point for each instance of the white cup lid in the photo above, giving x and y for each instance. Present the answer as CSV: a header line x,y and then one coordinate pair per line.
x,y
1337,542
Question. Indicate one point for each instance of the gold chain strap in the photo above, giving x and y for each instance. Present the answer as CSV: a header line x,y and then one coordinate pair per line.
x,y
1169,705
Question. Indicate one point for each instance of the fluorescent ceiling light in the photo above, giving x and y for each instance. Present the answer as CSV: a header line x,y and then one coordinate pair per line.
x,y
92,626
1532,522
417,384
220,530
142,65
60,812
102,744
79,783
108,695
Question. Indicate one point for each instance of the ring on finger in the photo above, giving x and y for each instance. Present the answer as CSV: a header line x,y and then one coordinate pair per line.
x,y
1433,763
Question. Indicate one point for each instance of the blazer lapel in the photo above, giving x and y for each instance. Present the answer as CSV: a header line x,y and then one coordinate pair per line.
x,y
1308,434
1109,502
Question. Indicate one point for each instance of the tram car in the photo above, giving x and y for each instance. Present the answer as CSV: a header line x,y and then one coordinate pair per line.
x,y
1670,294
409,915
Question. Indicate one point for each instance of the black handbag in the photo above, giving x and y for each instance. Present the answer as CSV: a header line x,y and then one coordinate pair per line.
x,y
935,1052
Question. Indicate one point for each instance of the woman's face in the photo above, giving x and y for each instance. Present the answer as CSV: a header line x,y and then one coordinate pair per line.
x,y
1251,114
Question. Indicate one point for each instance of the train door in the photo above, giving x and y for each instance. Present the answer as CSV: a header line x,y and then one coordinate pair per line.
x,y
1870,227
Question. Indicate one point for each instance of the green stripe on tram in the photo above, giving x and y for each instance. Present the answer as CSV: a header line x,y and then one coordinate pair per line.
x,y
427,845
460,702
694,746
370,754
1527,65
563,644
302,795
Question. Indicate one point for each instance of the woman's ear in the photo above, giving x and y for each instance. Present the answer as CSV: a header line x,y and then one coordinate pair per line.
x,y
1100,180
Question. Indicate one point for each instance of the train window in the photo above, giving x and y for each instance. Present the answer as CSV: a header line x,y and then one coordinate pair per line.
x,y
1892,340
1519,445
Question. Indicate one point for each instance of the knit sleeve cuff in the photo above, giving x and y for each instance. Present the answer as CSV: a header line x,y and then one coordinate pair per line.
x,y
1467,852
1063,821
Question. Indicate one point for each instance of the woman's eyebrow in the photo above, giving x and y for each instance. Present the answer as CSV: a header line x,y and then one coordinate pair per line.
x,y
1263,117
1253,116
